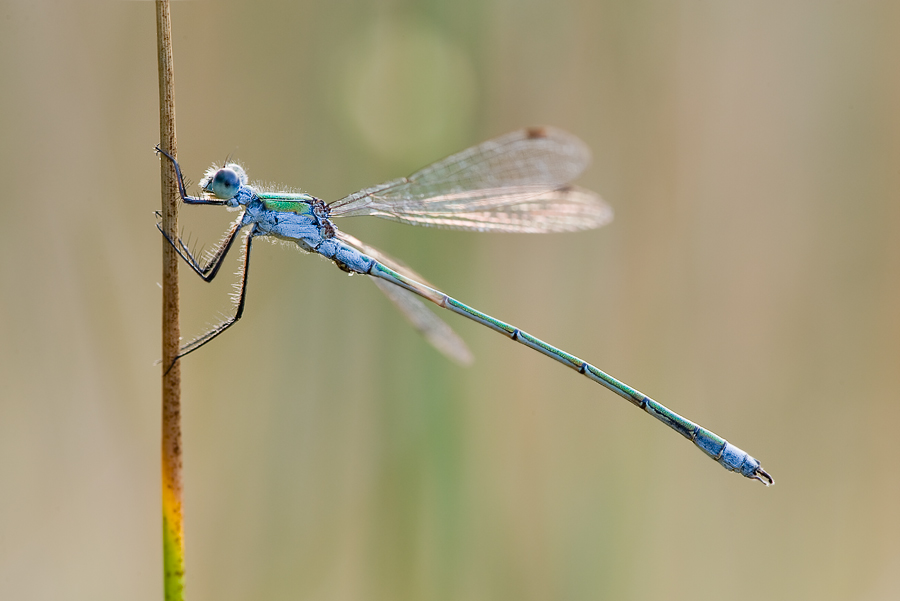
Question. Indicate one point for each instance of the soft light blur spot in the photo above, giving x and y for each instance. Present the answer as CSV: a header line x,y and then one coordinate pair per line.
x,y
408,89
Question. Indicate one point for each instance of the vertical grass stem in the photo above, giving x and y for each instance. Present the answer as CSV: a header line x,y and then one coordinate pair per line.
x,y
173,524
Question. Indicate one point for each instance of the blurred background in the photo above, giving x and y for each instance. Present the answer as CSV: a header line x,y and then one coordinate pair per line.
x,y
750,281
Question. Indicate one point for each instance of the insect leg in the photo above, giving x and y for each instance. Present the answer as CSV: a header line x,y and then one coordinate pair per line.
x,y
208,270
194,200
196,343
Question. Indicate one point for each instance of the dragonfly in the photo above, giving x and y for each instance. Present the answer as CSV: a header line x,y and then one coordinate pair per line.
x,y
519,182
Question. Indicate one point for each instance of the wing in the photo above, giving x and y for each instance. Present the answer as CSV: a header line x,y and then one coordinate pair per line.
x,y
429,325
566,209
530,168
435,330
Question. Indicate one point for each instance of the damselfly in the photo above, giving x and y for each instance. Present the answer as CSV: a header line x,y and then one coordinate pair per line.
x,y
519,182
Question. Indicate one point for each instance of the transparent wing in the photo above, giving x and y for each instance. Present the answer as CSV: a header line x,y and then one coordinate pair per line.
x,y
435,330
508,170
563,210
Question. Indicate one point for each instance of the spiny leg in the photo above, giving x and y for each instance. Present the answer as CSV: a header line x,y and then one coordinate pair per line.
x,y
196,343
194,200
211,268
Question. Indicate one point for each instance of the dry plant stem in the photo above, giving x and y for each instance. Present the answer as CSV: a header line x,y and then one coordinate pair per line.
x,y
173,525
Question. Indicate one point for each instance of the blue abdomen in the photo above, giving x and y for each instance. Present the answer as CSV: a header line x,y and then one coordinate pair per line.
x,y
347,258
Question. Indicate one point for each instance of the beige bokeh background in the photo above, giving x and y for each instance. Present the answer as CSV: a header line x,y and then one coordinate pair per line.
x,y
751,281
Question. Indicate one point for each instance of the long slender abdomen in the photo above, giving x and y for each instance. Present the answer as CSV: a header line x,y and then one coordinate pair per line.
x,y
726,454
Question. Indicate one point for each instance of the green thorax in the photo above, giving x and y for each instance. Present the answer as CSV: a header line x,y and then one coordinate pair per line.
x,y
287,202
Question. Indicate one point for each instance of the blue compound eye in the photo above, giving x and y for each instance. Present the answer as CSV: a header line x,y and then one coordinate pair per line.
x,y
225,184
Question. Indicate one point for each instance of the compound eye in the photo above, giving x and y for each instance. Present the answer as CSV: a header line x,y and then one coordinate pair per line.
x,y
225,184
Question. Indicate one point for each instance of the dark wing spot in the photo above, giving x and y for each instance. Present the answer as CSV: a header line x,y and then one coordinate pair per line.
x,y
536,132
